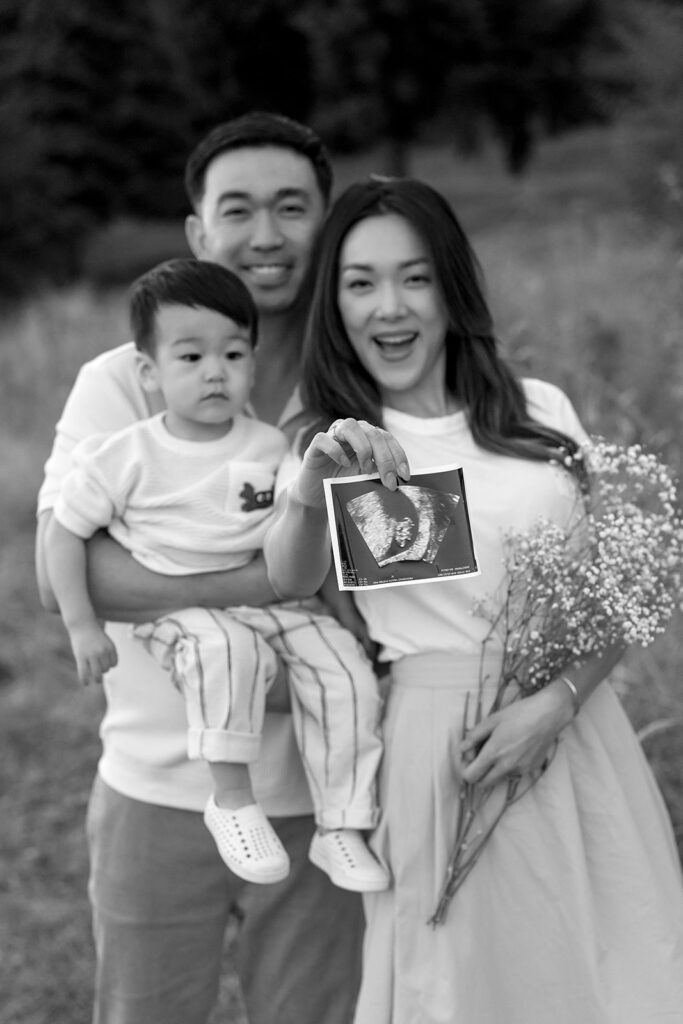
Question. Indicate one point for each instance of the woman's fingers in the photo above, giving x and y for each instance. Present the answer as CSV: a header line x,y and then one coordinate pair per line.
x,y
375,450
512,741
476,757
349,444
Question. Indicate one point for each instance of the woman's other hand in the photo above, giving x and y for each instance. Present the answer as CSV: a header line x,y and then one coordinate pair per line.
x,y
517,739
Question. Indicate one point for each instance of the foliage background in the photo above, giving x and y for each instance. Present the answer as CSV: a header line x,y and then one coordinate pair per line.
x,y
100,105
583,253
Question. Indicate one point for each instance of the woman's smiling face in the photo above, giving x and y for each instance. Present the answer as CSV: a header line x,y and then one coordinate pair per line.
x,y
393,313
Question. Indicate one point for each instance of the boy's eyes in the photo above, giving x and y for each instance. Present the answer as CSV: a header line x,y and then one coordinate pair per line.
x,y
233,355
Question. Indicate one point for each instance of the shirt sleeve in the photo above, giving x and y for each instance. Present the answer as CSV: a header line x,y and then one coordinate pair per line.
x,y
99,403
85,502
550,405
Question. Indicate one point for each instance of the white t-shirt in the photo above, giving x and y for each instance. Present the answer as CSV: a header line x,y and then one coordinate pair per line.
x,y
503,494
144,728
178,506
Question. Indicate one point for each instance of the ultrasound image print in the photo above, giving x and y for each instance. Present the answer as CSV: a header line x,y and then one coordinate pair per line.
x,y
406,525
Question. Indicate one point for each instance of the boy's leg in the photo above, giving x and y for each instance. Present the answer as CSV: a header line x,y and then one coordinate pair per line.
x,y
301,941
223,669
161,897
336,710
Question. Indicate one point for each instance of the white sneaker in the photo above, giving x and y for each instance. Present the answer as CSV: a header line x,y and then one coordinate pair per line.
x,y
247,842
343,855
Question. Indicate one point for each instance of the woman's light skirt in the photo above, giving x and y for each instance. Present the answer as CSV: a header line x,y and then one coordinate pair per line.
x,y
574,912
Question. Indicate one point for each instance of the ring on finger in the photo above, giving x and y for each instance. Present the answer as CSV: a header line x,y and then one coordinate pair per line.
x,y
348,449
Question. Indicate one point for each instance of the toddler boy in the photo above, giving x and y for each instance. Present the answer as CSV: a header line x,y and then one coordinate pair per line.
x,y
191,490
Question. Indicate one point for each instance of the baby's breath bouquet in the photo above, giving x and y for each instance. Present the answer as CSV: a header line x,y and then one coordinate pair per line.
x,y
611,577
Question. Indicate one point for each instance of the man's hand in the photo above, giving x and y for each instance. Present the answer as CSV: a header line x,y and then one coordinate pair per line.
x,y
94,652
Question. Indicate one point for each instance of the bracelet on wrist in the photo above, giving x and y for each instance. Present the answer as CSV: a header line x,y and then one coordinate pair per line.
x,y
571,686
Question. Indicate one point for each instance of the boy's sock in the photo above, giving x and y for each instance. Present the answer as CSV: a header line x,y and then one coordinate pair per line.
x,y
231,785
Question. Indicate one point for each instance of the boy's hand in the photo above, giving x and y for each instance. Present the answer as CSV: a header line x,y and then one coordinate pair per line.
x,y
94,652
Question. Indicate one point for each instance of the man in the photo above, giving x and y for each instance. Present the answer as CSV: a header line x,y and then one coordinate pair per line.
x,y
160,894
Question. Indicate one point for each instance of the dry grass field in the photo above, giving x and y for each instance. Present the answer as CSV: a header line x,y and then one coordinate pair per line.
x,y
587,293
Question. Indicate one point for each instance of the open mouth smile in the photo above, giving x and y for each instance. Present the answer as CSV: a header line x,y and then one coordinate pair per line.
x,y
396,344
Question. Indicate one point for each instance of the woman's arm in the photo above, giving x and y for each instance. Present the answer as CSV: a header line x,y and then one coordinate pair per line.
x,y
519,737
297,548
122,590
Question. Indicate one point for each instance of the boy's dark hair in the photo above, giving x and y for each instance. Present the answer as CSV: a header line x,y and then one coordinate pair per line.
x,y
258,128
188,282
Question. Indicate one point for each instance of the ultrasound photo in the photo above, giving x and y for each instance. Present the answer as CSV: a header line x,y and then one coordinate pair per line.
x,y
416,534
404,525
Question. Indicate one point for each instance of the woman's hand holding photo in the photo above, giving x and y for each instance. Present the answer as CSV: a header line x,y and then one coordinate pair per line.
x,y
349,447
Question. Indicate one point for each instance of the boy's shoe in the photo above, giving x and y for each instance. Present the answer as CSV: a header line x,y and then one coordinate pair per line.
x,y
343,855
247,842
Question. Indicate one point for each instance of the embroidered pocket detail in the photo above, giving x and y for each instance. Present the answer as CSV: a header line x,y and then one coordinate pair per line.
x,y
253,500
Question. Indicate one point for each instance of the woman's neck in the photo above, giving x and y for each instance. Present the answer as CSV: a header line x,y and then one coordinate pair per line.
x,y
423,406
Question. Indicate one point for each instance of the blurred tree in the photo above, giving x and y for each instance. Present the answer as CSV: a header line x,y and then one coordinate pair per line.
x,y
386,68
233,58
541,69
89,96
21,232
653,41
382,67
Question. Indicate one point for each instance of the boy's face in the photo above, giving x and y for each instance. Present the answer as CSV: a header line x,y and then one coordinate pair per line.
x,y
260,214
204,366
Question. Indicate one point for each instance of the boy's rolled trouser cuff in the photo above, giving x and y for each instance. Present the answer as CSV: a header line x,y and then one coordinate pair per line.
x,y
219,745
347,818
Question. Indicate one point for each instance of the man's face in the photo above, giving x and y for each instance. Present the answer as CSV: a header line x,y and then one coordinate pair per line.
x,y
259,217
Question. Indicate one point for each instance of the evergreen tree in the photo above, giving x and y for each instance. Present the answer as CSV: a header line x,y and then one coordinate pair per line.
x,y
91,99
383,66
233,58
386,68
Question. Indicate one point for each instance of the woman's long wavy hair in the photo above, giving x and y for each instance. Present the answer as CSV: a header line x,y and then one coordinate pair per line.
x,y
334,382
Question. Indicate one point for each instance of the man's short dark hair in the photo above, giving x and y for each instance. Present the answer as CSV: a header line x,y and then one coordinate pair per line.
x,y
188,282
261,129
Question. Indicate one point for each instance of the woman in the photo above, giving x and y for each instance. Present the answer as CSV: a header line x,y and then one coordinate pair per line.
x,y
574,911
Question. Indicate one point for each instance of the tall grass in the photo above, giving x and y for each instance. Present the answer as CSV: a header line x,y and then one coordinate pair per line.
x,y
586,293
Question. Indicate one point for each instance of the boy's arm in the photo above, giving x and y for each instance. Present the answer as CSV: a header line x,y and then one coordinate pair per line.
x,y
94,652
123,590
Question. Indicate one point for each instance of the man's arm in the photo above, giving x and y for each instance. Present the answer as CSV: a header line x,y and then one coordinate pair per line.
x,y
122,590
